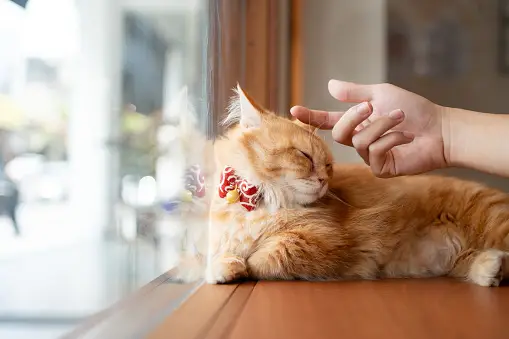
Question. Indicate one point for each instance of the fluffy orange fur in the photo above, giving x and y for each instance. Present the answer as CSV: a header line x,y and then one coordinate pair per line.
x,y
316,221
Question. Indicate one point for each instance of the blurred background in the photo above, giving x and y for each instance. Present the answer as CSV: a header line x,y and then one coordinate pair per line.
x,y
95,96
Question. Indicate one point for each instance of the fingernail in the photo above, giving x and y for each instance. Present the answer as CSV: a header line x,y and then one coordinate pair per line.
x,y
396,115
408,135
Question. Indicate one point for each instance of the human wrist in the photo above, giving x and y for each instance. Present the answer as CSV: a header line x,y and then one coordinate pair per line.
x,y
448,119
459,128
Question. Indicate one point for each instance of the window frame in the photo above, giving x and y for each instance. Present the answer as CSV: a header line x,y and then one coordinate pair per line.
x,y
249,43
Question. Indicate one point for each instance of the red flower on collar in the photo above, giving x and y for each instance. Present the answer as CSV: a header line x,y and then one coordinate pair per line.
x,y
248,193
195,181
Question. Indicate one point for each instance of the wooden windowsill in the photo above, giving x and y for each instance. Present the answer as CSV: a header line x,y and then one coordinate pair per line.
x,y
442,308
436,308
136,315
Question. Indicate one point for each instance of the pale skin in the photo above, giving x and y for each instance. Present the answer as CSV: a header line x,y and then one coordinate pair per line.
x,y
397,132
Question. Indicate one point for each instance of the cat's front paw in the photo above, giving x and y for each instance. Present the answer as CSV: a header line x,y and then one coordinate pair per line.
x,y
488,268
226,269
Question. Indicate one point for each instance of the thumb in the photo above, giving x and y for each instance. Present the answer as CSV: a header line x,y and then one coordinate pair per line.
x,y
350,92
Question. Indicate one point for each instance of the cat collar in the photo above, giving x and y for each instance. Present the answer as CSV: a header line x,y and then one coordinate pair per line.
x,y
234,188
194,184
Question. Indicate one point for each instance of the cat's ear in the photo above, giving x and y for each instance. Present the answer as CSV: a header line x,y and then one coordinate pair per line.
x,y
179,108
311,129
250,112
188,120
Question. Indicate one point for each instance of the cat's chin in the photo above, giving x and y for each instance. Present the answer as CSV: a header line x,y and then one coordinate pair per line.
x,y
307,198
292,198
323,191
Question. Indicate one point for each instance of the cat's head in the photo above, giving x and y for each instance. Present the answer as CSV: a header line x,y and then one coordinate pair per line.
x,y
285,158
185,154
180,131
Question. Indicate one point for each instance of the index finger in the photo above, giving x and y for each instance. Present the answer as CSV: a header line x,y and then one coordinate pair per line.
x,y
319,119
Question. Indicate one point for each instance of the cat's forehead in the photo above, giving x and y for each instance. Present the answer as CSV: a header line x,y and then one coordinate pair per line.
x,y
292,135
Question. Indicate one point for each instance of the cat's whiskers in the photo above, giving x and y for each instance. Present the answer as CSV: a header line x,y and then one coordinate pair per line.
x,y
334,196
311,133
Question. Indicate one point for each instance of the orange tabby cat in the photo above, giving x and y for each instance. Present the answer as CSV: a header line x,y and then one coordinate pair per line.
x,y
283,211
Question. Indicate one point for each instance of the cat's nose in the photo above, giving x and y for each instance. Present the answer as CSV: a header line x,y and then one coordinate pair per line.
x,y
321,181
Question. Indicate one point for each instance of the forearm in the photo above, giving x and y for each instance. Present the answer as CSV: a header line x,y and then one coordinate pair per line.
x,y
476,140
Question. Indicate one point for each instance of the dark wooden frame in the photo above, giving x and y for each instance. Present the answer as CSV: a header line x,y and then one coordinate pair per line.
x,y
296,60
247,44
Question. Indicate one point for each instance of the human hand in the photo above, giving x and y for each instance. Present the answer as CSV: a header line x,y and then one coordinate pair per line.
x,y
396,132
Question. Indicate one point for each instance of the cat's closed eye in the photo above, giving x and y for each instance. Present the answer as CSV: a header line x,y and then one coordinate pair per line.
x,y
306,155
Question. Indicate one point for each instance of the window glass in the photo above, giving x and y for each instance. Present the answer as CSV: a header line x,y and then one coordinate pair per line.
x,y
102,119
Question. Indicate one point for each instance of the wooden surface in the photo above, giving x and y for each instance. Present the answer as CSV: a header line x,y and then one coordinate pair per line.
x,y
439,308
